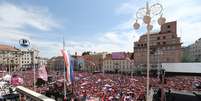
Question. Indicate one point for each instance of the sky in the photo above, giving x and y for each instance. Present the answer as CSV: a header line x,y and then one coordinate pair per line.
x,y
89,25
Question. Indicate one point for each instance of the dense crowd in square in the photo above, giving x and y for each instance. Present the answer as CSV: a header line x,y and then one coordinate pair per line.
x,y
109,86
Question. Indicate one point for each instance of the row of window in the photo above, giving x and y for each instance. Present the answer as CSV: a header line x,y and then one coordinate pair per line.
x,y
112,67
25,61
116,63
158,43
142,45
161,43
162,49
158,38
25,58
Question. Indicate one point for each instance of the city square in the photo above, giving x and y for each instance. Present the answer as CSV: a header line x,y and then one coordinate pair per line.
x,y
100,50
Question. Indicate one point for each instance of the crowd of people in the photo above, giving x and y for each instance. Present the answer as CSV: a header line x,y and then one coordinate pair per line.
x,y
116,86
109,87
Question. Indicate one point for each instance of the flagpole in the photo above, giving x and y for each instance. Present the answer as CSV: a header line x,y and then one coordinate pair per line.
x,y
34,67
73,74
34,76
73,88
64,72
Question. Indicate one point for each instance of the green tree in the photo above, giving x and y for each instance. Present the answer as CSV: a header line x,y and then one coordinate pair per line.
x,y
86,53
186,57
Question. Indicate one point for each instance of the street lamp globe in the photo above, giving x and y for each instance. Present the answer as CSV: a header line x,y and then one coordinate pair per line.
x,y
147,19
161,20
136,25
150,27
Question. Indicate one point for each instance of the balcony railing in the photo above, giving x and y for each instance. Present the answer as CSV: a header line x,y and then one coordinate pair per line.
x,y
29,95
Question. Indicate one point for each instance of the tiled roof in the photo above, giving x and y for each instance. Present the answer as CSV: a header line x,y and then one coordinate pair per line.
x,y
128,55
7,48
108,57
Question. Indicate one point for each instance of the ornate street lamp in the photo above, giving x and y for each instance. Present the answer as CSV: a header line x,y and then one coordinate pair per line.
x,y
145,14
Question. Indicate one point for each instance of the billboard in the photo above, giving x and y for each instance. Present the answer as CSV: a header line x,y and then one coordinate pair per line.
x,y
118,55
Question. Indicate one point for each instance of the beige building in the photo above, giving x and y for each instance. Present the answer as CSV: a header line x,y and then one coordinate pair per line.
x,y
193,51
29,57
165,46
55,64
42,61
93,61
123,65
16,59
9,58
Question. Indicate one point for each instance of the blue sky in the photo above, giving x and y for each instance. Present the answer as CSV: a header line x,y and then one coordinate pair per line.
x,y
88,25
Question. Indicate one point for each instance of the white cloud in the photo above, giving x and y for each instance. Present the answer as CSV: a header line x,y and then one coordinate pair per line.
x,y
186,12
109,37
15,19
125,8
12,34
12,16
122,36
188,18
18,18
107,42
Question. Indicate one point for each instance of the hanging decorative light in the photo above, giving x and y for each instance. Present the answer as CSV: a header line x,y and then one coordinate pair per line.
x,y
161,20
150,27
136,25
147,19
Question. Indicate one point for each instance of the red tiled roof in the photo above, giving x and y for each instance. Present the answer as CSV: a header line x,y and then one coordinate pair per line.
x,y
7,48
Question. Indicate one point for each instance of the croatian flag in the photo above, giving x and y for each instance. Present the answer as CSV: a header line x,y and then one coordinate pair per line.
x,y
68,66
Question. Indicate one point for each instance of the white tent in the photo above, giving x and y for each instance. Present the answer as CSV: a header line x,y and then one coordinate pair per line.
x,y
182,67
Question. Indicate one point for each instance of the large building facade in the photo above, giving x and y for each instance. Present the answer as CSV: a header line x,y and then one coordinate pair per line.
x,y
192,53
9,58
29,57
165,46
93,62
56,64
13,59
118,65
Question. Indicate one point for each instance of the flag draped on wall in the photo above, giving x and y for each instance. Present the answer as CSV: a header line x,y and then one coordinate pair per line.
x,y
68,66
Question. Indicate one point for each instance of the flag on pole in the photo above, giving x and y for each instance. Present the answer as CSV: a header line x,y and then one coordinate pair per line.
x,y
42,73
71,69
68,66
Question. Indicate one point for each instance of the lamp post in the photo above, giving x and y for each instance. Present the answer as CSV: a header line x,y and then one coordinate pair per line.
x,y
145,14
158,60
